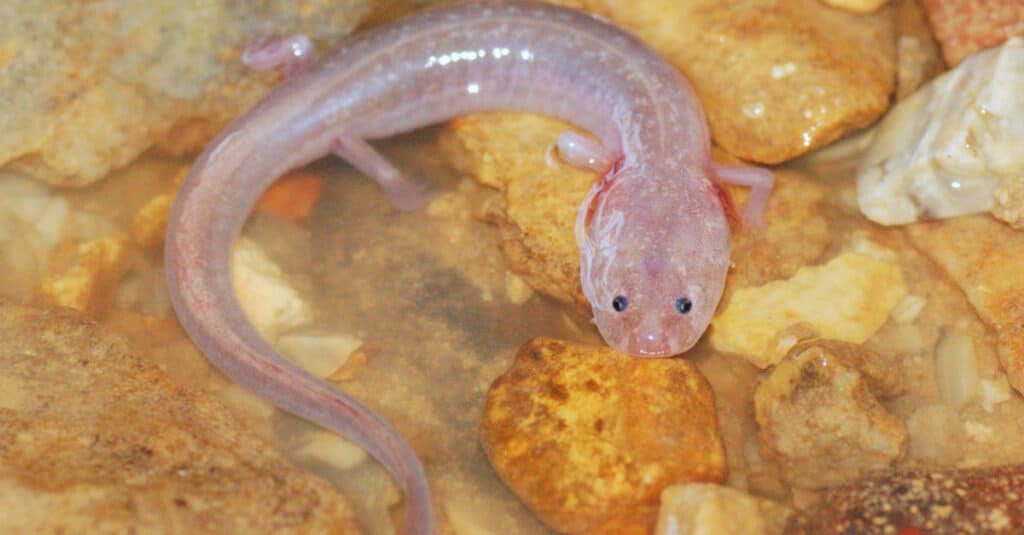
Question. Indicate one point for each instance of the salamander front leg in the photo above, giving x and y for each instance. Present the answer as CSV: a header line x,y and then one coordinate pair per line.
x,y
583,152
295,53
760,181
403,194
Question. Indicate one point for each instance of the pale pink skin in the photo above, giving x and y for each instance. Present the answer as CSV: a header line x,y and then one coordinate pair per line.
x,y
652,229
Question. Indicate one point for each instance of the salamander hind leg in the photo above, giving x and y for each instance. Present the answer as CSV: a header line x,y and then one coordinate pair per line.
x,y
583,152
403,193
760,181
295,54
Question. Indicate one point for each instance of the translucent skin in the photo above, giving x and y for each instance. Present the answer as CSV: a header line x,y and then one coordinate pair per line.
x,y
652,229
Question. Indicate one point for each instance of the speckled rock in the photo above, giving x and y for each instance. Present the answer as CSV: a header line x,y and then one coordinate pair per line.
x,y
964,27
918,56
588,437
97,440
977,500
986,260
820,417
85,87
777,79
510,152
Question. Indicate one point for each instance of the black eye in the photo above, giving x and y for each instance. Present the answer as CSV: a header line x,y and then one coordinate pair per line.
x,y
620,303
683,305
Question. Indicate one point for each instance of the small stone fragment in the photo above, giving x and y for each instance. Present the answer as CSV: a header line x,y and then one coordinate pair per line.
x,y
705,509
270,301
321,354
330,448
1008,205
974,500
857,6
588,438
820,418
918,55
964,27
84,276
846,299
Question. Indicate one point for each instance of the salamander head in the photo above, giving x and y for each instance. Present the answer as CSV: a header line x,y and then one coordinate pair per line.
x,y
654,276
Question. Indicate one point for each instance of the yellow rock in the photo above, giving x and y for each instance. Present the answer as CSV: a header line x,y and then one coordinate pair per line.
x,y
857,6
846,299
85,276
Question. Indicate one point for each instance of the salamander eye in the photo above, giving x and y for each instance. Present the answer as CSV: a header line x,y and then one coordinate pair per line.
x,y
620,303
683,305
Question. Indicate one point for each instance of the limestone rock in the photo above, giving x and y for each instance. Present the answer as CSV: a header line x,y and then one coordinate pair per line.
x,y
588,437
943,151
820,417
718,510
86,87
848,298
777,79
98,440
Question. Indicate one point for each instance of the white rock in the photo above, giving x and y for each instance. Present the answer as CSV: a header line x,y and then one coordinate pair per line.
x,y
707,509
272,304
333,450
943,151
319,353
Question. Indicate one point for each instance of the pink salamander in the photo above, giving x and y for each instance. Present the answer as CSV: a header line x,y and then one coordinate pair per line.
x,y
653,236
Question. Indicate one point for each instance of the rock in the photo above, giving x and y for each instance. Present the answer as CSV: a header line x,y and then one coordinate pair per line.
x,y
975,500
857,6
820,418
943,151
84,276
919,58
588,438
777,79
269,299
964,27
90,86
1008,201
98,440
718,510
986,259
847,298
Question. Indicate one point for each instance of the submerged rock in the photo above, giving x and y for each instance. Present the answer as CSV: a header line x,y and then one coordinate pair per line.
x,y
820,417
975,500
588,437
86,87
98,440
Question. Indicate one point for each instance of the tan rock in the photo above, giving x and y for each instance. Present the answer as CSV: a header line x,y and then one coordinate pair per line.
x,y
986,260
84,276
856,6
819,416
977,500
588,438
1008,202
718,510
777,79
90,86
918,55
848,298
98,440
964,27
